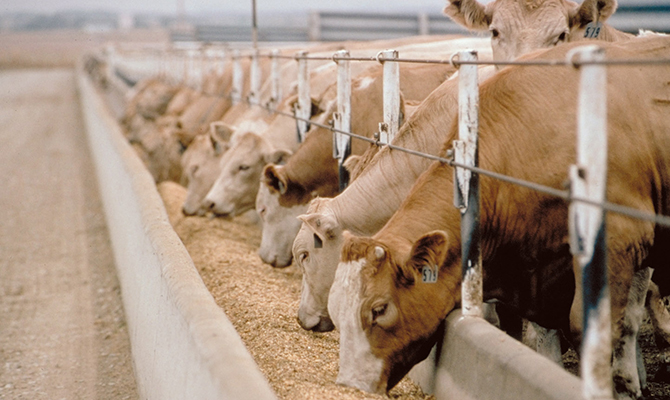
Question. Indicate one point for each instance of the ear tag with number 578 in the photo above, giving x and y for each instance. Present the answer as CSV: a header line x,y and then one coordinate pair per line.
x,y
592,30
429,274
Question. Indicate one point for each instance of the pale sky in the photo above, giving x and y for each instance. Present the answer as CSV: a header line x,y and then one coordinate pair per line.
x,y
221,6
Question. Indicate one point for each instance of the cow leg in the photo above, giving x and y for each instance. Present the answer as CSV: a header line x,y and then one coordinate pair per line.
x,y
657,309
542,340
627,362
659,315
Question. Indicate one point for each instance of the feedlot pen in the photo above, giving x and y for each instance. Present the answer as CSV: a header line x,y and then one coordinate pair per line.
x,y
261,303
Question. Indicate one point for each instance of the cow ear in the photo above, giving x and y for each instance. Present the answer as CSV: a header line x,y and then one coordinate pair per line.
x,y
322,225
221,131
591,10
469,13
278,157
275,178
316,108
429,251
185,137
312,221
351,162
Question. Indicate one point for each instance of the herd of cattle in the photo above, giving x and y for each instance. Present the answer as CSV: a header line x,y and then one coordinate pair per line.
x,y
362,250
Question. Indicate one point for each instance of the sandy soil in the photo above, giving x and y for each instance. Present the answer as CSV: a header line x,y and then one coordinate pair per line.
x,y
62,328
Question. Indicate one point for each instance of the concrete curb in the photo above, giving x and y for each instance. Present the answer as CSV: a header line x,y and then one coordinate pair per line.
x,y
183,345
479,361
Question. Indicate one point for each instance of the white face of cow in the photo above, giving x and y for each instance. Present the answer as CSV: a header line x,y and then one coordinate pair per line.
x,y
280,226
316,251
234,191
359,367
200,165
520,26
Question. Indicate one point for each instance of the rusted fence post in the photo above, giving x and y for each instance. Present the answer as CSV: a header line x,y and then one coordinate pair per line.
x,y
389,128
303,108
342,118
466,185
587,224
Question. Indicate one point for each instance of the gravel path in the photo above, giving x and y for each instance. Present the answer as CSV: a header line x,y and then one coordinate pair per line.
x,y
62,328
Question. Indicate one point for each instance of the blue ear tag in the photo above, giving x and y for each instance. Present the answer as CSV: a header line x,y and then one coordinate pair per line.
x,y
592,30
428,274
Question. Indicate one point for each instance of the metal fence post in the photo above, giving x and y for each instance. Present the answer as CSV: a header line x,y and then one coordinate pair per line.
x,y
389,128
221,61
111,60
342,118
238,78
275,84
587,224
466,185
254,79
424,24
303,108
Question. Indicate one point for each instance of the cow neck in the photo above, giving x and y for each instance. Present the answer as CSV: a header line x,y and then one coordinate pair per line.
x,y
390,175
312,168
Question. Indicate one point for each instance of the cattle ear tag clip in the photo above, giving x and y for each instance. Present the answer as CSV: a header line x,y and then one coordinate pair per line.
x,y
429,274
592,30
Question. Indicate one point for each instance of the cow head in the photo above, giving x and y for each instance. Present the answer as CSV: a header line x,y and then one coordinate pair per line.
x,y
235,189
280,225
316,250
200,165
520,26
387,312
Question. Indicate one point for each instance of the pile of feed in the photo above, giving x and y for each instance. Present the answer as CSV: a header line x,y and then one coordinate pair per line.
x,y
262,303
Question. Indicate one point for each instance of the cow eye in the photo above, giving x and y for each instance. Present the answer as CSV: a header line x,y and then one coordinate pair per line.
x,y
560,38
303,256
378,311
194,169
494,33
243,167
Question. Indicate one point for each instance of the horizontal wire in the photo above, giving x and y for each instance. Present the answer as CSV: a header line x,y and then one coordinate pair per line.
x,y
564,194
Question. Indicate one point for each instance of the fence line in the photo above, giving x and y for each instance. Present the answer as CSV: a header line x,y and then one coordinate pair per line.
x,y
563,194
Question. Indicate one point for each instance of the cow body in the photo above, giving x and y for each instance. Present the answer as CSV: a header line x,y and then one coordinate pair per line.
x,y
527,130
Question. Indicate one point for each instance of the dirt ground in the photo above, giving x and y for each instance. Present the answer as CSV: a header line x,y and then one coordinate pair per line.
x,y
62,48
62,328
262,303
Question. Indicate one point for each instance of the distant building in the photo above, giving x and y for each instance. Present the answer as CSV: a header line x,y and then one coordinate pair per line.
x,y
126,21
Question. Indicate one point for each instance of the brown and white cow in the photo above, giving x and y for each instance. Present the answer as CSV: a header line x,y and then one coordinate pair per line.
x,y
520,26
369,201
387,315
